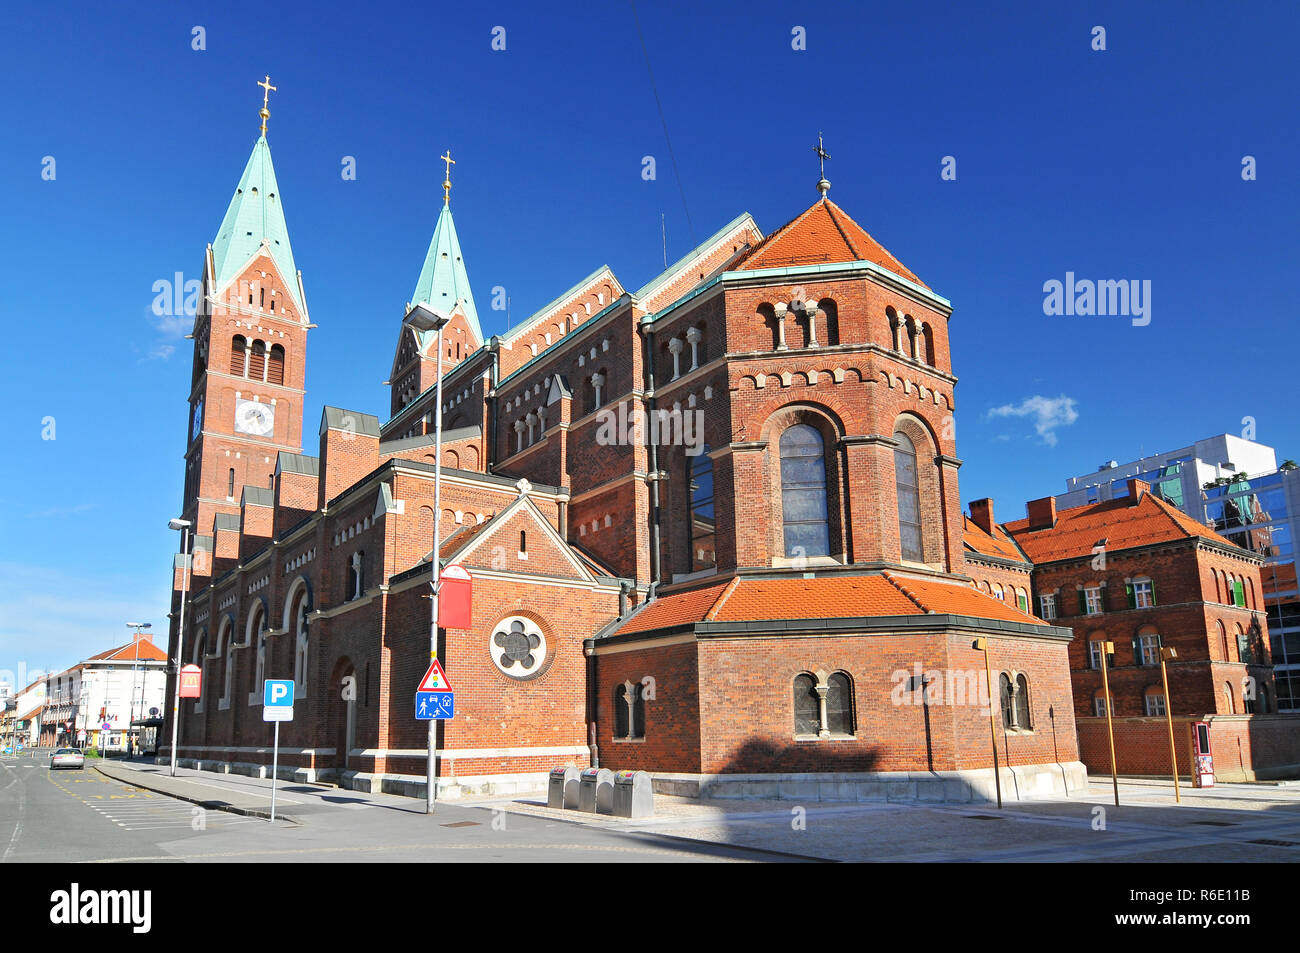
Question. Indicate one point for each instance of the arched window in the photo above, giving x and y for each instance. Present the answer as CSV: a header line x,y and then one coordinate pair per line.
x,y
275,371
230,667
839,704
803,492
638,711
1243,645
1008,703
1023,718
807,707
1223,640
259,640
239,356
1228,698
909,501
300,641
831,320
230,483
699,494
895,327
925,346
621,713
998,592
257,361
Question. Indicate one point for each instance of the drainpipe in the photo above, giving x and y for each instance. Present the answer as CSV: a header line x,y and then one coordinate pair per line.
x,y
649,351
490,458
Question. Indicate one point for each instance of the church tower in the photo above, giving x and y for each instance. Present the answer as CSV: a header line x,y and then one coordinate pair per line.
x,y
443,286
250,340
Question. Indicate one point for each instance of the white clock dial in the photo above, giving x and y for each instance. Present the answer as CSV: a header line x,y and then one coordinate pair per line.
x,y
254,417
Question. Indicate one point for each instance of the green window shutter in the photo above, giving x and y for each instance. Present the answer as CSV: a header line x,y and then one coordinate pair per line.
x,y
1083,603
1153,592
1132,599
1238,593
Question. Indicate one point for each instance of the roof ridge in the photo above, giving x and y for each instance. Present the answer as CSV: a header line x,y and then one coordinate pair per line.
x,y
718,603
831,209
905,591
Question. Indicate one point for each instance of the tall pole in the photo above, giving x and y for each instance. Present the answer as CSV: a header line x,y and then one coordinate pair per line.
x,y
431,779
180,642
275,768
1169,717
983,645
1106,649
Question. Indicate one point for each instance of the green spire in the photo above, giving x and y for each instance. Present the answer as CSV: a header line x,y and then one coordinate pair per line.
x,y
255,214
443,282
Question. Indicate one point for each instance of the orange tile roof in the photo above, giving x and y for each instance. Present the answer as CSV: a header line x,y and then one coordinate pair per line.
x,y
957,599
677,609
999,545
824,233
1119,522
148,653
827,597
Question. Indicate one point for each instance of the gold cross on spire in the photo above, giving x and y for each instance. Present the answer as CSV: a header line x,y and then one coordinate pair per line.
x,y
822,155
266,97
446,183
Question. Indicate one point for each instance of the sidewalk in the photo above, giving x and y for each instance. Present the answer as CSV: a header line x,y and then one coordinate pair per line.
x,y
250,802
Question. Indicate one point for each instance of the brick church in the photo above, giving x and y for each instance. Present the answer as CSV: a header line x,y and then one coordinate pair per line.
x,y
713,525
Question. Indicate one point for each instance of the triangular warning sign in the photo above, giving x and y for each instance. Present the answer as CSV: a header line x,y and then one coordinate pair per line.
x,y
435,679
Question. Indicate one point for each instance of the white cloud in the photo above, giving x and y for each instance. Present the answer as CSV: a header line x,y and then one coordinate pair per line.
x,y
51,620
1048,413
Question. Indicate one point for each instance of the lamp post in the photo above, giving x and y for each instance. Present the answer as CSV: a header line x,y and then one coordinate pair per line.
x,y
983,646
135,669
423,318
1107,650
184,527
1166,655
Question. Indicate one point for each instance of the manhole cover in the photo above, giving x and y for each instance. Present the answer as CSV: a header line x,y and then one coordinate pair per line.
x,y
463,824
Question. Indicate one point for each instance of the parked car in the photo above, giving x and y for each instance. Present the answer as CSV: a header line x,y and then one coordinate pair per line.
x,y
67,758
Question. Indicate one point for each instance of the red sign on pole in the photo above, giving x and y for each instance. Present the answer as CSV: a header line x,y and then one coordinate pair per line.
x,y
455,597
191,681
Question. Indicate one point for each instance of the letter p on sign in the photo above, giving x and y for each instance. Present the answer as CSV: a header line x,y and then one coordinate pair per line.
x,y
277,699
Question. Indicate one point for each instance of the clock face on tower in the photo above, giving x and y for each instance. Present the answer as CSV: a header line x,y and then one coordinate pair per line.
x,y
254,417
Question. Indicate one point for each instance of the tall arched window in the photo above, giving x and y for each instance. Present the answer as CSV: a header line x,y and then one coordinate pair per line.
x,y
839,704
807,707
1223,640
909,498
803,492
621,714
1023,718
275,371
699,493
1228,699
1008,704
239,356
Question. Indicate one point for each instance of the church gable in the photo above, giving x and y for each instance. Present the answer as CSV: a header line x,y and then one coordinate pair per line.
x,y
518,540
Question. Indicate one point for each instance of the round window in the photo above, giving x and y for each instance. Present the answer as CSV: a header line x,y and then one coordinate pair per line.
x,y
518,647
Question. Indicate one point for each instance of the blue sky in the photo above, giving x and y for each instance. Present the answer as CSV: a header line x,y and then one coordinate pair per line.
x,y
1116,164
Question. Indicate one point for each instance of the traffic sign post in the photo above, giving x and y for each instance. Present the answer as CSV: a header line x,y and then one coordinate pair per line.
x,y
277,706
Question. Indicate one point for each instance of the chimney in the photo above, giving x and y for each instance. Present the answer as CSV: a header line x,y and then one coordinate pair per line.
x,y
981,514
143,636
1136,490
1042,513
349,450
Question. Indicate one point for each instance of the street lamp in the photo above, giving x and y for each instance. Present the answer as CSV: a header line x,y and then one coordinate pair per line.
x,y
1107,650
423,318
135,666
982,645
1165,656
184,527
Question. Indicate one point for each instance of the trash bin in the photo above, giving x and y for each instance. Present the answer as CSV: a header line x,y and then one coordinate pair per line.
x,y
633,796
556,786
596,791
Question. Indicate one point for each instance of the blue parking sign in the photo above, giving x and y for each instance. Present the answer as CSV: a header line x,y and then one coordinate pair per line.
x,y
277,692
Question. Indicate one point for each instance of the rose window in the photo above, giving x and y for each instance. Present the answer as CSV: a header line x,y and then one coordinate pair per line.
x,y
518,647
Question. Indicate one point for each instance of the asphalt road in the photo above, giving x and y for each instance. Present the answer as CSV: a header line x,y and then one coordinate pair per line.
x,y
71,816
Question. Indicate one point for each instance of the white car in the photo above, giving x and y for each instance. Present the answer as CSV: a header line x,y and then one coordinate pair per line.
x,y
67,758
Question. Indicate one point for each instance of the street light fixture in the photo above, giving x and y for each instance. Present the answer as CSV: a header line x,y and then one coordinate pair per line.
x,y
424,318
184,527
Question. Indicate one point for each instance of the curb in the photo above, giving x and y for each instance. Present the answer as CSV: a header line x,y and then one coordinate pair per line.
x,y
207,804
